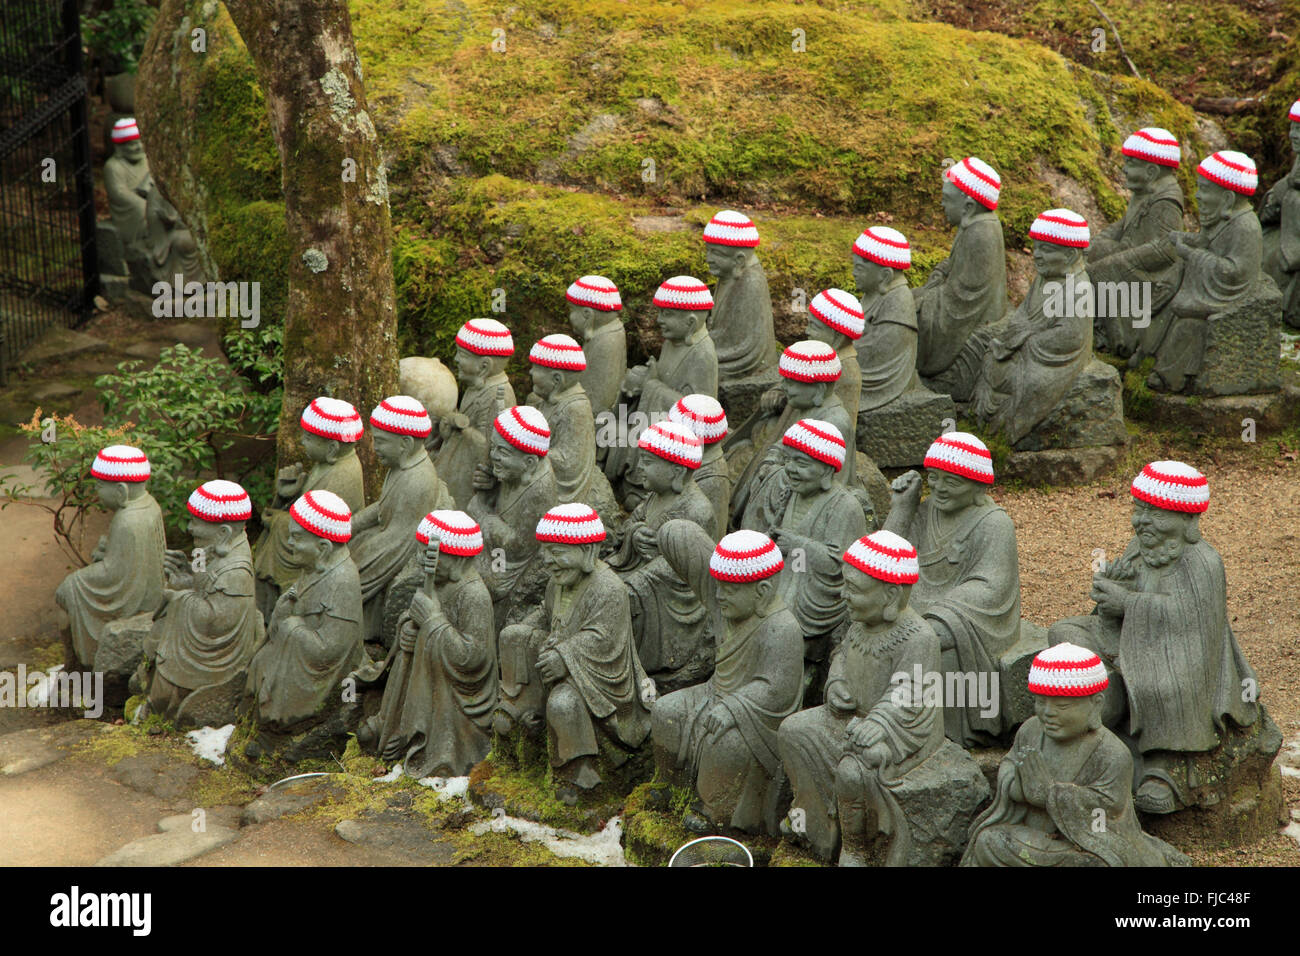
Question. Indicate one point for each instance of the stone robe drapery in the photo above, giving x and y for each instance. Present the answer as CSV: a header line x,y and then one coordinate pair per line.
x,y
606,350
125,184
741,323
1280,220
849,388
128,579
713,478
887,350
297,673
508,517
573,452
466,447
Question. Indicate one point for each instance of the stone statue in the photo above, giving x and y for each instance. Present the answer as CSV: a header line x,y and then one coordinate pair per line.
x,y
720,738
125,574
1133,249
969,590
1280,219
127,182
1177,676
813,520
381,542
968,290
572,663
594,307
1064,774
331,429
835,317
208,627
436,713
169,247
706,418
1033,360
887,349
846,758
741,321
482,348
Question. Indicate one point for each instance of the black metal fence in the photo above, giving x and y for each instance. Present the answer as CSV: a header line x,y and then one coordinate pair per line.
x,y
47,208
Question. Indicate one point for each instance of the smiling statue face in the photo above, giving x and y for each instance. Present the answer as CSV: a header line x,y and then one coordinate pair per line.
x,y
580,317
676,324
739,600
1161,534
1138,174
722,260
654,473
1066,718
803,394
867,597
1294,135
819,331
316,447
807,475
565,563
471,369
509,464
869,276
951,493
304,547
544,383
1213,202
1052,260
112,494
389,447
954,203
205,533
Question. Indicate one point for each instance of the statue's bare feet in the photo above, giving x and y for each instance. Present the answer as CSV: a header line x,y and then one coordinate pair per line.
x,y
1155,796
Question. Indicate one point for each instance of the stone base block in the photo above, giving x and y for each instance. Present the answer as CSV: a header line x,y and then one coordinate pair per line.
x,y
1243,346
121,648
653,831
114,288
1062,466
214,705
739,396
897,435
1227,414
1090,414
1013,675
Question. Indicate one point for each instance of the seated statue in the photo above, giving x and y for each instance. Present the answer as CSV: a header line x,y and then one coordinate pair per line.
x,y
835,317
594,307
969,590
704,416
125,573
169,246
572,663
813,520
1065,774
483,346
740,324
1034,359
331,429
1280,219
846,757
720,738
1133,249
968,290
127,182
887,349
208,626
436,713
314,639
381,542
1161,626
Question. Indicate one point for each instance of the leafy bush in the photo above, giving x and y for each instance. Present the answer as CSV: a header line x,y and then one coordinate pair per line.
x,y
116,35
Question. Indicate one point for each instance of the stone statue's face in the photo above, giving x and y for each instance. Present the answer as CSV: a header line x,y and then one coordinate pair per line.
x,y
954,203
206,534
1213,202
677,324
509,464
1139,174
316,447
1066,718
951,493
807,475
471,369
132,151
1052,260
867,597
580,318
567,563
390,448
450,567
803,394
723,260
869,276
305,549
1294,135
112,494
655,474
738,601
1161,534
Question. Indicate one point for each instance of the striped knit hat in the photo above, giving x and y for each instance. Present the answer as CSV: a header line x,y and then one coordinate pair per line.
x,y
324,514
683,292
1231,170
574,523
525,428
1294,114
1173,486
595,292
332,418
744,556
816,439
485,337
220,500
125,130
885,556
120,463
558,351
840,310
1067,670
731,228
1155,145
810,361
703,414
402,415
962,454
1061,227
457,533
673,441
976,179
884,247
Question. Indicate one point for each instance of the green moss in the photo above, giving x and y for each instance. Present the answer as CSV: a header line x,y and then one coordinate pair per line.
x,y
1137,394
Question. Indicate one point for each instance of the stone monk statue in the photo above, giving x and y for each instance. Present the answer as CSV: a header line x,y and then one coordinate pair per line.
x,y
740,324
594,307
835,317
887,349
1280,219
705,417
1065,773
968,290
127,182
125,574
1161,627
331,429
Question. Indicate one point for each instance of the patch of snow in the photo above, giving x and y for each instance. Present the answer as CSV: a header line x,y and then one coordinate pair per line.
x,y
39,695
603,848
392,775
1291,346
447,788
1293,831
210,742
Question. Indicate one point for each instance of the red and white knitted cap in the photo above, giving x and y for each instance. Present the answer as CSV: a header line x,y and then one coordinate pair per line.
x,y
120,463
595,292
220,500
402,415
558,351
744,556
673,441
731,228
485,337
840,310
1294,114
457,533
1067,670
525,428
810,361
125,130
324,514
1173,486
574,523
884,247
1155,145
1231,170
885,556
332,418
976,179
1061,227
817,439
962,454
684,292
703,414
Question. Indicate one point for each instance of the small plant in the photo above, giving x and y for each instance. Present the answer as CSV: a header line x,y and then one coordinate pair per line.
x,y
115,35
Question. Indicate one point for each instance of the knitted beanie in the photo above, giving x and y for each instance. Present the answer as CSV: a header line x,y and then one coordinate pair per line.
x,y
962,454
525,428
1061,227
840,310
731,228
220,500
816,439
885,556
558,351
1231,170
402,415
684,292
120,463
485,337
573,523
744,556
1155,145
673,441
595,292
1294,114
324,514
884,247
332,418
125,130
703,414
976,179
1173,486
1067,670
810,361
457,533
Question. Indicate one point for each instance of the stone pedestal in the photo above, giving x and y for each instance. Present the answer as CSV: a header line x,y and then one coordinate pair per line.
x,y
214,705
898,435
739,396
120,650
1062,466
1242,346
1091,414
1013,674
653,831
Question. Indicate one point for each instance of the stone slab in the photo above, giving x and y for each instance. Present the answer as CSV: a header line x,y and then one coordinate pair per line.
x,y
1226,414
214,705
290,798
399,834
1013,674
898,435
170,848
1243,346
59,345
1062,466
165,777
1090,414
739,396
25,750
120,649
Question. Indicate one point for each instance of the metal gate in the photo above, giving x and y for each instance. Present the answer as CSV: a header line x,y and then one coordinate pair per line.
x,y
48,268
